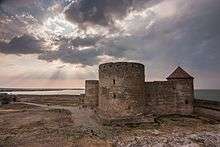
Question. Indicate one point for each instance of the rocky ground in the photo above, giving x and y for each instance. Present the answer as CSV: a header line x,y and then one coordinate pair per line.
x,y
35,123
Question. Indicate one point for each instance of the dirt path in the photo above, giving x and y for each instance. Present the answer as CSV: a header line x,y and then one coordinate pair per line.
x,y
82,116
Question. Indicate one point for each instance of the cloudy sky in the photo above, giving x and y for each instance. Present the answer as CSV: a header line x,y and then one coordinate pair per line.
x,y
60,43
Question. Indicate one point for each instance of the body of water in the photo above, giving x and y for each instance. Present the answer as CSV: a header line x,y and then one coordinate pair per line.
x,y
213,95
50,92
207,94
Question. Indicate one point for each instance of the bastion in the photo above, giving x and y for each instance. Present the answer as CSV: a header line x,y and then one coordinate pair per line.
x,y
121,93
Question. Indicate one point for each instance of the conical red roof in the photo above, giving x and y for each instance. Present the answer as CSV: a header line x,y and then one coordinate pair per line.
x,y
179,73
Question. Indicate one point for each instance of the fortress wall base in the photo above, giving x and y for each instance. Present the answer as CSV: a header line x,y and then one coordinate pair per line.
x,y
91,93
169,97
161,98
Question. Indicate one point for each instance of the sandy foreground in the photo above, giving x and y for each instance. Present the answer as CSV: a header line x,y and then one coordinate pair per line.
x,y
61,121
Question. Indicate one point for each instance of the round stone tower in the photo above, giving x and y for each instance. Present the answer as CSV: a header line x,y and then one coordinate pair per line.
x,y
121,90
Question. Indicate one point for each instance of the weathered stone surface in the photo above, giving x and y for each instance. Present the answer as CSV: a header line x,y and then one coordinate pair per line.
x,y
170,97
122,93
121,89
185,95
91,92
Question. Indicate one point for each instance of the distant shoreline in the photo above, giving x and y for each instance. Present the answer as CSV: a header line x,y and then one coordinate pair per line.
x,y
200,94
37,89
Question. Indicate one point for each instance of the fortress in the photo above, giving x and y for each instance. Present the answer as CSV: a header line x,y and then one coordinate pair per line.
x,y
122,93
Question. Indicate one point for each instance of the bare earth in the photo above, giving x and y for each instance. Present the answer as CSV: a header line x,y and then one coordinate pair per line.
x,y
48,121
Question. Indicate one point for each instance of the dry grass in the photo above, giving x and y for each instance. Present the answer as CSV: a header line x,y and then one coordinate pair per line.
x,y
26,125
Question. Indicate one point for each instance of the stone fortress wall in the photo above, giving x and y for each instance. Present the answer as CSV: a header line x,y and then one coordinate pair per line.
x,y
122,92
91,92
161,97
169,97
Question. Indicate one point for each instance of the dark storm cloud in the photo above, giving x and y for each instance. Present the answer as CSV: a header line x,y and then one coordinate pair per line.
x,y
96,11
2,1
102,12
187,35
73,56
16,16
78,41
69,53
193,38
37,10
16,1
88,41
22,45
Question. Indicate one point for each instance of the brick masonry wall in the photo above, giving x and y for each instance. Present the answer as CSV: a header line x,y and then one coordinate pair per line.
x,y
185,95
121,89
91,92
169,97
161,97
122,93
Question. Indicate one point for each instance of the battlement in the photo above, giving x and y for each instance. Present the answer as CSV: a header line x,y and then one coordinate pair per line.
x,y
120,65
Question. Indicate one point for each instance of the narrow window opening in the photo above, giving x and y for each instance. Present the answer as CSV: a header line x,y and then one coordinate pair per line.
x,y
186,102
114,95
114,81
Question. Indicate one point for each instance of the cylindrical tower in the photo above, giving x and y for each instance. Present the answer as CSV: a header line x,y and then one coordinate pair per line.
x,y
121,89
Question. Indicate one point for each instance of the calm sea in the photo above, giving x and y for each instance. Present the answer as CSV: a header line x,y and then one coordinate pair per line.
x,y
207,94
50,92
213,95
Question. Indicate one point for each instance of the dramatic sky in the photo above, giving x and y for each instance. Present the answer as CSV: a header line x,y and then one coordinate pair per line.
x,y
60,43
